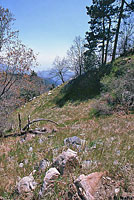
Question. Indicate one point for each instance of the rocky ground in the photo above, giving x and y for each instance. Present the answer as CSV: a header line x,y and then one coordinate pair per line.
x,y
80,158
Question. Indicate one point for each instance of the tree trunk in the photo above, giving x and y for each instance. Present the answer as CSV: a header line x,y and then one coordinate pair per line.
x,y
108,39
117,30
103,42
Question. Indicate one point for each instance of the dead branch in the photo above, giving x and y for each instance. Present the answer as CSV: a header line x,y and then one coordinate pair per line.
x,y
38,120
36,132
19,121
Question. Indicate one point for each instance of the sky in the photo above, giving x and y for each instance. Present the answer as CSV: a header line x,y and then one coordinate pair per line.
x,y
49,26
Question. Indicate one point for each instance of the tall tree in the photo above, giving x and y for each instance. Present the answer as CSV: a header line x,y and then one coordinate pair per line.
x,y
15,57
118,29
102,16
60,69
125,7
15,60
76,56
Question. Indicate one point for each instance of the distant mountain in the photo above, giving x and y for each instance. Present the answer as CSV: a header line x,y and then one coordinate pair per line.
x,y
46,76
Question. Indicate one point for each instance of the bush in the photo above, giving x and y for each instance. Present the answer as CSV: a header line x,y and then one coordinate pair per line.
x,y
99,109
121,90
28,94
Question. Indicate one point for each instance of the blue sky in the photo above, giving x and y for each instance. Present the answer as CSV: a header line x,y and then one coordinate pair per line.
x,y
49,26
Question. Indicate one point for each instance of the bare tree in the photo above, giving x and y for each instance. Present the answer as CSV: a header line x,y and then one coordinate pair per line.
x,y
126,39
76,56
60,69
15,61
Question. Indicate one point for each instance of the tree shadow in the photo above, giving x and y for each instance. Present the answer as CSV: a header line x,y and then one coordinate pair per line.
x,y
82,88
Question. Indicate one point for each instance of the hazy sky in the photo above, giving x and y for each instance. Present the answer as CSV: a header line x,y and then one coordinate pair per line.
x,y
49,26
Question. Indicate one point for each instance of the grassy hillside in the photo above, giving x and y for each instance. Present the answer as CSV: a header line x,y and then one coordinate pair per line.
x,y
109,144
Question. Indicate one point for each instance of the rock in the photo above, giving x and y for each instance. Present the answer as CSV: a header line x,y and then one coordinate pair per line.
x,y
74,141
72,193
49,93
40,141
117,190
49,178
21,165
31,149
26,161
1,198
43,165
115,162
66,161
87,185
26,185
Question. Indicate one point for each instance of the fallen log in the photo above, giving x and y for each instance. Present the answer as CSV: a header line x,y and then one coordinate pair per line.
x,y
38,120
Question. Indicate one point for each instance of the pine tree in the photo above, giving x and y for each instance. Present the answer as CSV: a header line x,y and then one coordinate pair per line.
x,y
124,12
102,16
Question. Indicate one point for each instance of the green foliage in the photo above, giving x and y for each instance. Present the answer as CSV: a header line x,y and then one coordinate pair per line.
x,y
102,21
28,94
82,88
120,84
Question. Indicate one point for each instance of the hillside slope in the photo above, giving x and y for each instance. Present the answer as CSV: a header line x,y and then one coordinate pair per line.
x,y
108,148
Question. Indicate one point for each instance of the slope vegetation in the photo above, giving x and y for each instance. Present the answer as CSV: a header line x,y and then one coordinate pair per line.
x,y
109,145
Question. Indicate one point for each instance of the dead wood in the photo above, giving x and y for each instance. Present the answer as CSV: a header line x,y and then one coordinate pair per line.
x,y
38,120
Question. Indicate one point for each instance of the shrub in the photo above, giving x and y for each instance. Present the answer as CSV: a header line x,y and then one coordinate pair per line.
x,y
121,90
28,94
100,109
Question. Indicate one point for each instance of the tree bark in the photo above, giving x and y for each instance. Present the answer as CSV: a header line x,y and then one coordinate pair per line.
x,y
103,42
117,30
108,39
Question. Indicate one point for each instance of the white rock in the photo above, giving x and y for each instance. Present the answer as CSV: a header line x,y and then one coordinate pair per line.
x,y
49,178
21,165
31,149
26,184
66,158
117,190
49,93
87,185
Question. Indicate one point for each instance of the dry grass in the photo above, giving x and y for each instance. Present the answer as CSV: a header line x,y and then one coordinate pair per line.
x,y
109,143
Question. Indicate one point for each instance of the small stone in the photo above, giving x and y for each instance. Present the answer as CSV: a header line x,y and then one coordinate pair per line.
x,y
26,161
43,165
118,153
115,162
40,141
117,190
31,149
49,93
72,140
93,147
129,148
21,165
108,178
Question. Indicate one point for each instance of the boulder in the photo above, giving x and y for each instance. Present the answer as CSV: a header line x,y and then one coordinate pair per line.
x,y
87,185
26,184
66,161
48,181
